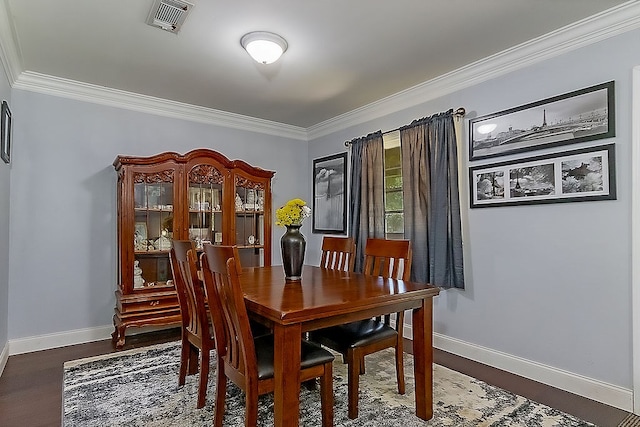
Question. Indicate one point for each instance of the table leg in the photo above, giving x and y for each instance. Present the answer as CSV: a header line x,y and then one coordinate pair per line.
x,y
423,358
286,375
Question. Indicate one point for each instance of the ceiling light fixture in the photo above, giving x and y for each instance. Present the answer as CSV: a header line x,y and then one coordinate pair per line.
x,y
263,46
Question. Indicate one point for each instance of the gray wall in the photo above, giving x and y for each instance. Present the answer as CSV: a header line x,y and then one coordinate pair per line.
x,y
63,210
5,94
546,283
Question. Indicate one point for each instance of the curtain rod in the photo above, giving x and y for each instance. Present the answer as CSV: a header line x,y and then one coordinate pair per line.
x,y
460,112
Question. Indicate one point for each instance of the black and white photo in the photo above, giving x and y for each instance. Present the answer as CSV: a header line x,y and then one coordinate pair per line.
x,y
537,180
330,194
569,176
577,116
582,174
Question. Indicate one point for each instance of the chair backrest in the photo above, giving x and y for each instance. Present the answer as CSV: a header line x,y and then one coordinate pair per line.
x,y
338,253
232,329
388,258
189,288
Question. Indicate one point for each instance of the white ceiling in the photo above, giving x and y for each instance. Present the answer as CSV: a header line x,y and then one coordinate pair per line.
x,y
342,55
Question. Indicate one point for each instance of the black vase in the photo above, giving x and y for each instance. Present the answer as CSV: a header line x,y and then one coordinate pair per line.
x,y
293,245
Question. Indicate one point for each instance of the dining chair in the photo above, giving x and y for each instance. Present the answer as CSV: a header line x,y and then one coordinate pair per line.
x,y
244,359
197,334
389,259
338,253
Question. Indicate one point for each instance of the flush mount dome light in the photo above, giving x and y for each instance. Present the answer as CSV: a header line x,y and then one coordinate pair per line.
x,y
263,46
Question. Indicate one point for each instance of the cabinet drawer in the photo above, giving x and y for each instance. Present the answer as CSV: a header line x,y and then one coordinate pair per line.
x,y
147,302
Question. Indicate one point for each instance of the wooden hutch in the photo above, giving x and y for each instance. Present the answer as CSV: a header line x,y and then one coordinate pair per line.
x,y
202,196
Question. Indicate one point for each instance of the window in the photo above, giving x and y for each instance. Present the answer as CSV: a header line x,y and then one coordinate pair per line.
x,y
393,205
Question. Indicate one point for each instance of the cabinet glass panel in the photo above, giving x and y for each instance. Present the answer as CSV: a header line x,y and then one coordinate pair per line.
x,y
153,234
205,202
249,207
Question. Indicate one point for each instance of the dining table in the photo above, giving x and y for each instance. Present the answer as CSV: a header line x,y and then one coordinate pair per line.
x,y
323,298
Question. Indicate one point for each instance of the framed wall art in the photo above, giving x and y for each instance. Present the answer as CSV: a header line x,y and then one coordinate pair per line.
x,y
5,133
582,115
330,194
570,176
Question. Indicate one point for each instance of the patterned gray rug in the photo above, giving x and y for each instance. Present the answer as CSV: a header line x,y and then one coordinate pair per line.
x,y
139,388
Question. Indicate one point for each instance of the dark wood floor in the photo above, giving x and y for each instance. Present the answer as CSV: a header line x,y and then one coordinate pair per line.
x,y
31,385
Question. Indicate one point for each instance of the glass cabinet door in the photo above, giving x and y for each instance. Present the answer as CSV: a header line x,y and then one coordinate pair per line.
x,y
249,222
153,231
205,185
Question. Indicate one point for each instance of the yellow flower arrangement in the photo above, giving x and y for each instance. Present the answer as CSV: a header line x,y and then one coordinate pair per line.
x,y
293,213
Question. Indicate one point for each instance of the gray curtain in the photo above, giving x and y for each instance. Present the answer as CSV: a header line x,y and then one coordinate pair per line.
x,y
367,192
431,200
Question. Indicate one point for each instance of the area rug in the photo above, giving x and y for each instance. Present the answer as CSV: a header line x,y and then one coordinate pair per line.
x,y
140,388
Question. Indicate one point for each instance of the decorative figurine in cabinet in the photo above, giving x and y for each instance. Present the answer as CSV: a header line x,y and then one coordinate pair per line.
x,y
202,196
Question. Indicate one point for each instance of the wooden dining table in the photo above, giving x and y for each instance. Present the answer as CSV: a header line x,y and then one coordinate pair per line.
x,y
325,298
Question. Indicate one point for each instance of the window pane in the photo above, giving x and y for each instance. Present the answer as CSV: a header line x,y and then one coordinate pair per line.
x,y
394,223
393,201
392,158
392,182
394,218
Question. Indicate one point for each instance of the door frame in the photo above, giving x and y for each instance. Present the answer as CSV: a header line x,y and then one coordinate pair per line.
x,y
635,236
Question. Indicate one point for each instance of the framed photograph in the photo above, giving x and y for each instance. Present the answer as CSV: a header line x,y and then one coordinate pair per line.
x,y
329,210
570,176
5,133
582,115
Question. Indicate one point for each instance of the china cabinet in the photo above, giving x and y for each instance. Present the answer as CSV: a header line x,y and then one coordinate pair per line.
x,y
202,196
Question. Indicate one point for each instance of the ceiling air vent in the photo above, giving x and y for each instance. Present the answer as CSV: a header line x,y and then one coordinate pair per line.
x,y
169,15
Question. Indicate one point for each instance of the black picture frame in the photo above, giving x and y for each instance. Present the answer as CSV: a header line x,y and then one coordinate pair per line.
x,y
5,133
570,176
330,194
582,115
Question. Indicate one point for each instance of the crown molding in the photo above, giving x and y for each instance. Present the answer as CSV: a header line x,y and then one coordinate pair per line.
x,y
57,86
9,56
604,25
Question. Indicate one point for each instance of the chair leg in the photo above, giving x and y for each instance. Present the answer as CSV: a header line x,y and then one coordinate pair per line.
x,y
184,361
353,368
326,395
204,378
221,394
400,367
251,409
193,359
362,367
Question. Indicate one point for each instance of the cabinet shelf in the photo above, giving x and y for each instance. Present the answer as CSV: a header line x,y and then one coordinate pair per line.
x,y
200,211
248,213
155,253
153,210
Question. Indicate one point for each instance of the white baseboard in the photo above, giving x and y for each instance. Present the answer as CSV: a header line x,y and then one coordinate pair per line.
x,y
4,356
78,336
60,339
600,391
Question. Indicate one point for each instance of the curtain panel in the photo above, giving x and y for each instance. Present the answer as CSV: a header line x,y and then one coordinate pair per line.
x,y
366,202
431,200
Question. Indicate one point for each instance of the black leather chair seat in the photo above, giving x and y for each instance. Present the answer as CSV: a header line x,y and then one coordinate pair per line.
x,y
258,329
354,334
312,355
